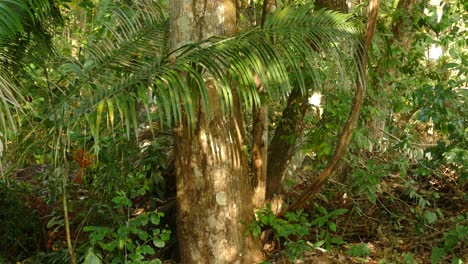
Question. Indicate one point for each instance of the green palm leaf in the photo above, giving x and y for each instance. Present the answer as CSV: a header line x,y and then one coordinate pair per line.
x,y
131,60
22,24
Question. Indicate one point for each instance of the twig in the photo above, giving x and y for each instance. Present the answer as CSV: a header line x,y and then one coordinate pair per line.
x,y
80,227
66,220
421,145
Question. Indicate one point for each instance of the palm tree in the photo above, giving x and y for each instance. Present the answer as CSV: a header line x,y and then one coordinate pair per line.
x,y
25,28
199,87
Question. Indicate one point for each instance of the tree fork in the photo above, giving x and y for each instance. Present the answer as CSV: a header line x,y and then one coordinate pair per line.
x,y
345,136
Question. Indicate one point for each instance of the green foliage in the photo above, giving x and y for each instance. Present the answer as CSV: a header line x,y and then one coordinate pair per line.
x,y
92,258
325,222
120,66
455,235
20,230
111,73
444,105
26,29
129,240
409,259
293,229
423,210
368,179
359,250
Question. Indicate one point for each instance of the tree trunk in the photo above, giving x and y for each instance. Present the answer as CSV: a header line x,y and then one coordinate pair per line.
x,y
259,154
403,34
213,187
282,145
283,142
260,132
337,5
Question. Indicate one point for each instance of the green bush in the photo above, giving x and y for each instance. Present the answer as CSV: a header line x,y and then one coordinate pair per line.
x,y
359,250
293,229
454,236
132,239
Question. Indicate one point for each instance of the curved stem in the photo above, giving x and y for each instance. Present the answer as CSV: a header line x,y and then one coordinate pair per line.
x,y
66,219
345,136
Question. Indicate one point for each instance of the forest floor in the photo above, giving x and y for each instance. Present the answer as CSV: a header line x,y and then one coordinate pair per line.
x,y
410,219
404,224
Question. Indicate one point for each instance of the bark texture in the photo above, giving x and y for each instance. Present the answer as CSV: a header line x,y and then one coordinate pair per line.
x,y
284,140
259,154
337,5
213,187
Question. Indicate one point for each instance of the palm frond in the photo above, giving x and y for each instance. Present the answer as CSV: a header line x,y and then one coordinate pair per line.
x,y
8,106
295,44
24,23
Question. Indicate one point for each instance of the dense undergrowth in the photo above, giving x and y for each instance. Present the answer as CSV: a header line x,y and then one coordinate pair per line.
x,y
392,212
405,202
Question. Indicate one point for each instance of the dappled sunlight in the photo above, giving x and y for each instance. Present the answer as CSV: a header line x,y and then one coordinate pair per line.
x,y
315,100
187,132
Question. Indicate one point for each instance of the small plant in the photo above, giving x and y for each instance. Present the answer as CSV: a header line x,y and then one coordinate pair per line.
x,y
455,235
294,228
409,259
326,223
424,215
130,241
368,179
360,250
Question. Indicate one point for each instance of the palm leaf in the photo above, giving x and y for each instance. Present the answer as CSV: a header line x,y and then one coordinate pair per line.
x,y
8,106
295,42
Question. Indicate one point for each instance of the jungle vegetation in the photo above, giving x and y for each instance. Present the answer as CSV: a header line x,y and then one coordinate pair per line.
x,y
250,131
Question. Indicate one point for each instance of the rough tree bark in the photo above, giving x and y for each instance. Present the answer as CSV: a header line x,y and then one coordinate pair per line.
x,y
259,154
338,5
284,140
213,187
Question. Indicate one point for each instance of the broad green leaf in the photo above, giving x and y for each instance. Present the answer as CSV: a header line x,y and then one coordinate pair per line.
x,y
146,249
338,212
430,217
159,243
91,258
155,219
437,255
337,240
